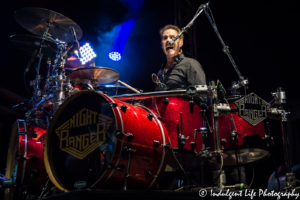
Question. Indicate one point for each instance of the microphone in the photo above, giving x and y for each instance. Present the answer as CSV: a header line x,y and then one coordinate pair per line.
x,y
199,11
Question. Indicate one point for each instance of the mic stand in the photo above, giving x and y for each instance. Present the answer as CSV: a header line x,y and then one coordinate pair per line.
x,y
202,7
242,82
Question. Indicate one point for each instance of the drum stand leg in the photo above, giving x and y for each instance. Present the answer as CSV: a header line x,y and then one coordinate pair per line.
x,y
33,174
279,100
127,154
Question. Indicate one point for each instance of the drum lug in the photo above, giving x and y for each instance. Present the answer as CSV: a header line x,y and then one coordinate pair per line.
x,y
35,134
20,158
166,146
129,136
113,104
123,108
166,101
156,144
149,116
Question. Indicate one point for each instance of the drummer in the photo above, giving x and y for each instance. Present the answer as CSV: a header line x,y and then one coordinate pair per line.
x,y
178,72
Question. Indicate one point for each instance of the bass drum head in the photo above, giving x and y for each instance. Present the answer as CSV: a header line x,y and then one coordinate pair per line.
x,y
11,163
80,141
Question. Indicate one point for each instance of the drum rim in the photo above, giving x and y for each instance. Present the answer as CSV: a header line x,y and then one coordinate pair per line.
x,y
49,169
146,95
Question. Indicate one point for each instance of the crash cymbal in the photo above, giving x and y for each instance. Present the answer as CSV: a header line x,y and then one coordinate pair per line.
x,y
36,21
94,75
29,44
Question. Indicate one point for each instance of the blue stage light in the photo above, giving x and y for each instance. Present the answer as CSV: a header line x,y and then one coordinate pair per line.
x,y
115,56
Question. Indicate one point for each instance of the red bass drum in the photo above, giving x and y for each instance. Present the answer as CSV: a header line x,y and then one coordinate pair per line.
x,y
25,159
94,141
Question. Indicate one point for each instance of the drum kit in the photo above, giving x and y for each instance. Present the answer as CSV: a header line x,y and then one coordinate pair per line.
x,y
80,134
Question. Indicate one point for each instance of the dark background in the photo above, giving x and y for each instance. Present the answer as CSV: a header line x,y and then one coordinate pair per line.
x,y
262,36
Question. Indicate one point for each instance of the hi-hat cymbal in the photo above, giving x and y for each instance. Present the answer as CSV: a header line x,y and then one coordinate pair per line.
x,y
29,44
36,21
94,75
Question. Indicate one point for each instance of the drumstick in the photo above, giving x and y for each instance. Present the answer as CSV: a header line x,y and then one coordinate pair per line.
x,y
128,86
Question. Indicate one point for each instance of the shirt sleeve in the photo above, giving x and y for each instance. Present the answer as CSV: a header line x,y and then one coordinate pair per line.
x,y
195,74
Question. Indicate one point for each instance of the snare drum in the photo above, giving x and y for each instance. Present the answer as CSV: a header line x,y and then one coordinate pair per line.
x,y
25,156
250,145
94,141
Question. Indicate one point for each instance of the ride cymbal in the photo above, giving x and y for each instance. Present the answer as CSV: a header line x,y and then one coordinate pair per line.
x,y
36,21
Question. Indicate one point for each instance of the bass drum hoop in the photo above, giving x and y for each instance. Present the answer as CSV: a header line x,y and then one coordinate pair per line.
x,y
48,165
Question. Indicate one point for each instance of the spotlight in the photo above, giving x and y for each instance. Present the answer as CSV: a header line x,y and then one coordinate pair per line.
x,y
115,56
86,53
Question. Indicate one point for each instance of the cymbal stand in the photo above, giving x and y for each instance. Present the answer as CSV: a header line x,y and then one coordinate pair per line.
x,y
278,101
58,77
38,92
242,81
218,175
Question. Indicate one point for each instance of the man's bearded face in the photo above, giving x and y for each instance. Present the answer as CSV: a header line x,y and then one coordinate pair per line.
x,y
166,38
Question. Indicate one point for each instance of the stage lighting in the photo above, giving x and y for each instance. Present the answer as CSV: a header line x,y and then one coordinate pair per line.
x,y
86,52
115,56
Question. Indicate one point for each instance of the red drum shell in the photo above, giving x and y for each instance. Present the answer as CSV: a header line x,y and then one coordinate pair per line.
x,y
26,146
170,112
191,120
250,141
146,158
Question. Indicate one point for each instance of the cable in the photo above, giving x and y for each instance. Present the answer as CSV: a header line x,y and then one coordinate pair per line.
x,y
221,167
177,160
252,176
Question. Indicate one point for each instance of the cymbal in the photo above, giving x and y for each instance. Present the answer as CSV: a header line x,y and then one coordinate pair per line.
x,y
94,75
29,44
36,20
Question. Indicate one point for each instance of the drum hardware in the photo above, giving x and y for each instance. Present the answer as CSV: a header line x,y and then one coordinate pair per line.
x,y
123,108
278,101
156,144
166,101
128,86
181,137
127,154
242,81
149,116
270,140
